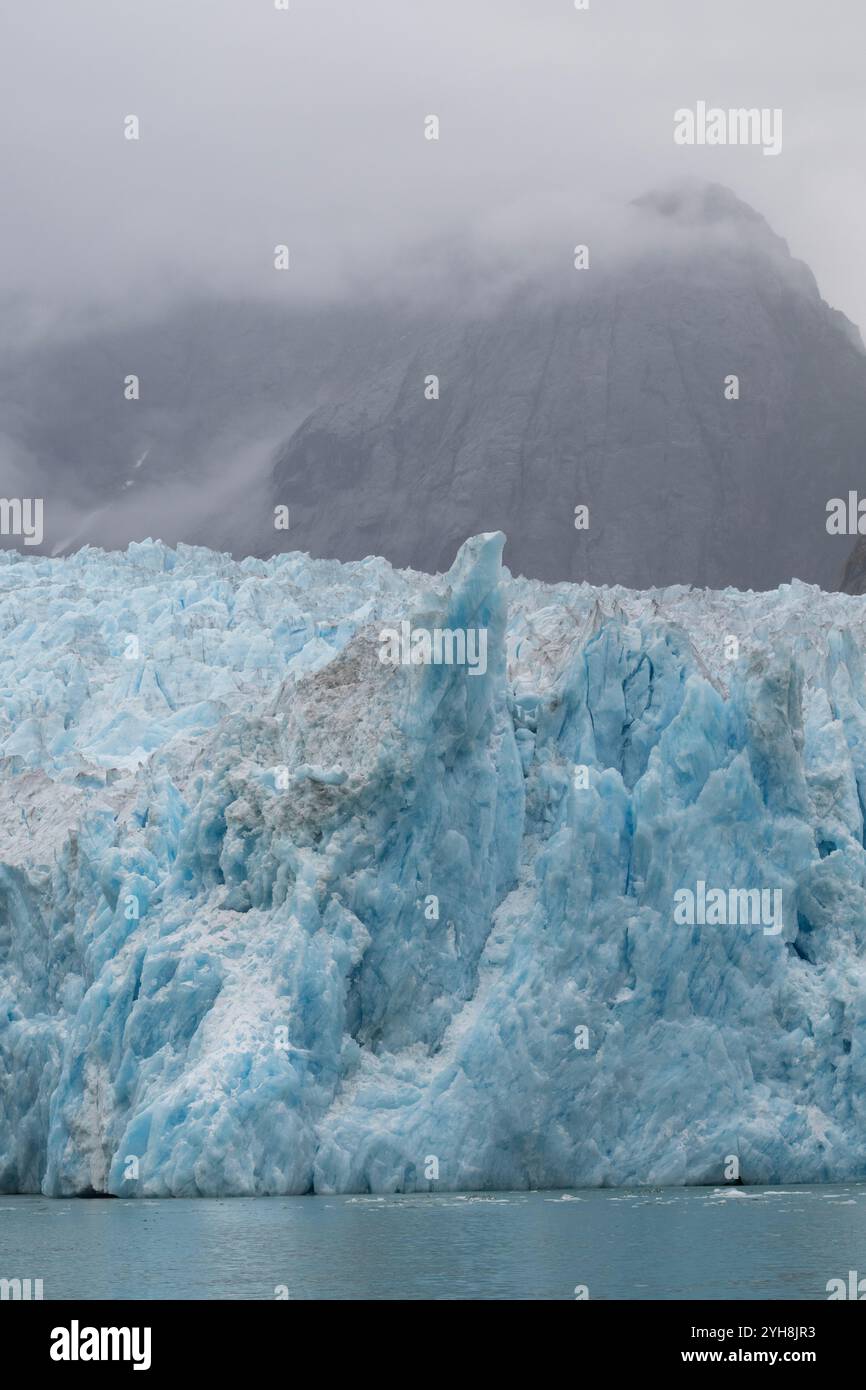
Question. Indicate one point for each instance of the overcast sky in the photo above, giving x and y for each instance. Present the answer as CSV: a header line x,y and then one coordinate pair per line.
x,y
259,127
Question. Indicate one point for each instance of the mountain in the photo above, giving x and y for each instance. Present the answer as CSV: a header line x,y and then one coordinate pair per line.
x,y
609,392
280,916
603,388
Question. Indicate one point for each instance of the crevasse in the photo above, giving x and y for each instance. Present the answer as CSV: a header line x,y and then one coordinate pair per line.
x,y
277,917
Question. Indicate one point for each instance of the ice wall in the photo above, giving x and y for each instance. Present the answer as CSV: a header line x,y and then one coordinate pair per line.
x,y
278,916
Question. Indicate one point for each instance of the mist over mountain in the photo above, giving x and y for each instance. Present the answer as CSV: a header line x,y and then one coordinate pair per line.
x,y
611,394
221,382
606,388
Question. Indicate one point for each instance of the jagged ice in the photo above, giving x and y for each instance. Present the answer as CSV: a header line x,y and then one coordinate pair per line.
x,y
226,827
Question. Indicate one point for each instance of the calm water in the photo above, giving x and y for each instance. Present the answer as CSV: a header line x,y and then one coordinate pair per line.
x,y
765,1243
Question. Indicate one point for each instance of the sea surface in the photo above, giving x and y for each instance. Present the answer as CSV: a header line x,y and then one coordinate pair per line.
x,y
673,1243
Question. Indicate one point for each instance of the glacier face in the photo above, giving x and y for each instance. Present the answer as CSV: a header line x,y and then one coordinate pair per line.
x,y
278,917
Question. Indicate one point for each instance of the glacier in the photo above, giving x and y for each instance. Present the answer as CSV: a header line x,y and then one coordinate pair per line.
x,y
277,917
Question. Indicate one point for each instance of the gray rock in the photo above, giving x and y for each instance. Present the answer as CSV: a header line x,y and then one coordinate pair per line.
x,y
608,390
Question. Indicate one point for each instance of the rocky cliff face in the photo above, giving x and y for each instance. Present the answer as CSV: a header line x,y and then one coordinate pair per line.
x,y
607,389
